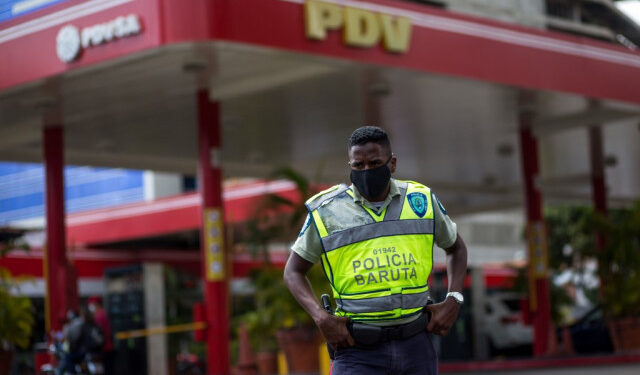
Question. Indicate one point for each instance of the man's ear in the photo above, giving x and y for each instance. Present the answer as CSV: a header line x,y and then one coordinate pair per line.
x,y
392,163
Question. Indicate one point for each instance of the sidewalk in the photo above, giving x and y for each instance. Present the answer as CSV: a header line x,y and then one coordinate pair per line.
x,y
618,369
613,364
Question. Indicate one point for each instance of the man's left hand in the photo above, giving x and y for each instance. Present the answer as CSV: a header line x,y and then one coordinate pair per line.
x,y
443,315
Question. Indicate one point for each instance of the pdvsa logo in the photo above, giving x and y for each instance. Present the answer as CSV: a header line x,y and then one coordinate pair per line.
x,y
70,41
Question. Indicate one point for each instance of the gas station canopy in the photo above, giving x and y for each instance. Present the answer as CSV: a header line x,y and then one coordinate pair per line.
x,y
450,101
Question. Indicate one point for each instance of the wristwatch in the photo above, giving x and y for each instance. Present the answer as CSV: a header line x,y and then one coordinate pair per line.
x,y
457,296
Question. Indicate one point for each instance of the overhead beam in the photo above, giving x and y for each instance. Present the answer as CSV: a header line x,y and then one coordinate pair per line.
x,y
265,81
21,133
468,209
23,155
592,115
145,109
567,196
475,188
579,179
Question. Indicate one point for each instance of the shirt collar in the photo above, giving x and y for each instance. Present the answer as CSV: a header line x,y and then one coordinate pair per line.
x,y
393,191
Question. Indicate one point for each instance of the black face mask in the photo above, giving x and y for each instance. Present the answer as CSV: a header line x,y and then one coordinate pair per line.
x,y
371,183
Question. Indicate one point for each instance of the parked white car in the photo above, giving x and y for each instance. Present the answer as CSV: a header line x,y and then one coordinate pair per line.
x,y
503,322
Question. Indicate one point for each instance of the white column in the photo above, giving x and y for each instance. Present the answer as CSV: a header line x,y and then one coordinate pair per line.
x,y
154,314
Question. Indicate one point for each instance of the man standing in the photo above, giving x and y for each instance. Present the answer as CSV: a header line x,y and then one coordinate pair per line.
x,y
375,240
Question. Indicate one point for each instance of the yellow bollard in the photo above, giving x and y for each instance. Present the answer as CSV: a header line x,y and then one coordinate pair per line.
x,y
325,361
282,363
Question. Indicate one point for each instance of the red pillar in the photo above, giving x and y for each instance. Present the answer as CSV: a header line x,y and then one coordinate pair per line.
x,y
536,239
56,259
214,263
599,193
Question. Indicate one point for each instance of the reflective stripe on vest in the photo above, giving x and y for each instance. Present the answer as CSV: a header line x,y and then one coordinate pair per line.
x,y
379,270
370,305
375,230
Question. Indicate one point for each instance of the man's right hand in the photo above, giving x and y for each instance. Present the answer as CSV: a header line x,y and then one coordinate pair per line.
x,y
334,329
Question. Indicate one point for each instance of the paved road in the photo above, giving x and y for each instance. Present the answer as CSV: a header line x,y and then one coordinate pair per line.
x,y
627,369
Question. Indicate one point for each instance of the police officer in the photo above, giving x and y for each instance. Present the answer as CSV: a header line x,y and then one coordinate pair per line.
x,y
375,240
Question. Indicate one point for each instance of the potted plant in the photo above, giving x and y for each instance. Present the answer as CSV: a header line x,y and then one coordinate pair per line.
x,y
566,231
263,341
618,264
16,312
278,321
619,272
262,322
277,313
607,279
298,336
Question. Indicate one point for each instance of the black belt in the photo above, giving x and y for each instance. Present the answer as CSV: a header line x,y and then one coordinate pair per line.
x,y
367,335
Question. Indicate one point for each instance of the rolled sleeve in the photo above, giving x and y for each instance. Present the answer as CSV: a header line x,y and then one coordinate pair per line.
x,y
446,230
308,245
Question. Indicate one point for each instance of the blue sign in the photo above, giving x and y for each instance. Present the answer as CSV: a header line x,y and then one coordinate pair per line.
x,y
10,9
22,189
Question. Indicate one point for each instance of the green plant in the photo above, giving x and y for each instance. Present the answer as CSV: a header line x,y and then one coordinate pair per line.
x,y
564,228
619,261
266,318
10,240
559,298
16,312
261,330
275,306
566,232
572,245
277,219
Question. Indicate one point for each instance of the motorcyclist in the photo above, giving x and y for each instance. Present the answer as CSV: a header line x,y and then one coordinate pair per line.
x,y
71,349
82,337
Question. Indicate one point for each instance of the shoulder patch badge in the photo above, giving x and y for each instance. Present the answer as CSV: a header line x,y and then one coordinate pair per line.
x,y
418,203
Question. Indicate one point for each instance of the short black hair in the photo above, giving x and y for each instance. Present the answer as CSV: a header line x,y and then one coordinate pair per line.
x,y
366,134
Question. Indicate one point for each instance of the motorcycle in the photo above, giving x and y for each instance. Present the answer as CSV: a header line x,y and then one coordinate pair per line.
x,y
89,364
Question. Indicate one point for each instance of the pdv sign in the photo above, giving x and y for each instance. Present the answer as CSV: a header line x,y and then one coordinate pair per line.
x,y
361,28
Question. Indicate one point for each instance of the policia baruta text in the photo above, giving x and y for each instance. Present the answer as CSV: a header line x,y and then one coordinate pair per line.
x,y
393,262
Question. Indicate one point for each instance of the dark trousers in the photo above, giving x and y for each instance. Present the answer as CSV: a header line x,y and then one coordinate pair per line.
x,y
414,355
68,363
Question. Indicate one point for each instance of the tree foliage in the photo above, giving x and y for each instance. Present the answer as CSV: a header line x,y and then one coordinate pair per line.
x,y
16,312
278,219
618,262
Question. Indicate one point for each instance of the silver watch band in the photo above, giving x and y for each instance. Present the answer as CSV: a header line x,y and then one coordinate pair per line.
x,y
457,296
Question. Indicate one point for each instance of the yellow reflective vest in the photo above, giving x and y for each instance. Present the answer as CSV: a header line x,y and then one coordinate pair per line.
x,y
378,270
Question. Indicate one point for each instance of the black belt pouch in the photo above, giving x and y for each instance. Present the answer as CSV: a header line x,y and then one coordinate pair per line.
x,y
365,334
